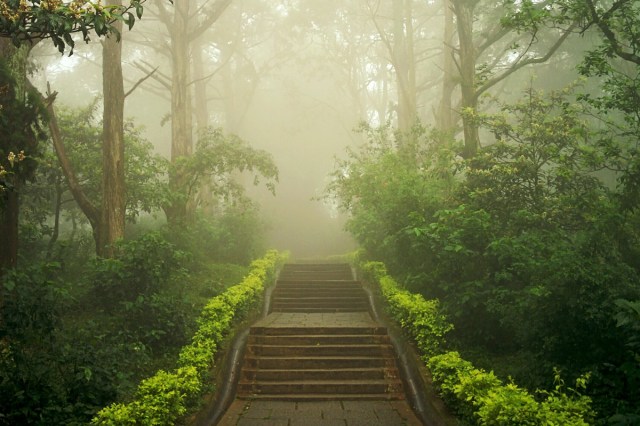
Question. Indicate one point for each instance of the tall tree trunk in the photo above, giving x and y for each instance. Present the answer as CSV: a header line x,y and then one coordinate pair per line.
x,y
112,213
9,230
8,206
181,132
464,18
200,89
446,122
205,199
404,64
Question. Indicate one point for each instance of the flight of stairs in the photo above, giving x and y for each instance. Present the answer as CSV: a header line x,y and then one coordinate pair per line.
x,y
331,360
318,288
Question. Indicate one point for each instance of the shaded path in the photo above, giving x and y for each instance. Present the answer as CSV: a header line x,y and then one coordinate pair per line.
x,y
320,358
330,413
344,412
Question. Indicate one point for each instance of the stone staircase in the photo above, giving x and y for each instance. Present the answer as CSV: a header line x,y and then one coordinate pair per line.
x,y
319,342
318,288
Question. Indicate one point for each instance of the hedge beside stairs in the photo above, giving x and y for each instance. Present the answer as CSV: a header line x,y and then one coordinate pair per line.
x,y
476,396
166,396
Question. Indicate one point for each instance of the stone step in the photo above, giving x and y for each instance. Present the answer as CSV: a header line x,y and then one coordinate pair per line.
x,y
287,360
326,397
320,301
315,276
314,331
320,374
320,310
320,387
319,339
317,362
317,291
316,266
320,350
319,283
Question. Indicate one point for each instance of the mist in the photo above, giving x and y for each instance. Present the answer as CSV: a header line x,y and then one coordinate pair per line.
x,y
481,157
282,93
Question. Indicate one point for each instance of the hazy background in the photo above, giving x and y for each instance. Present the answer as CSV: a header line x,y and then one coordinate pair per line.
x,y
293,78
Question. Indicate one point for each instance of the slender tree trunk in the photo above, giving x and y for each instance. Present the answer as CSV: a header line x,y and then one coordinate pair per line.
x,y
8,207
200,89
56,217
404,64
181,132
446,122
205,199
9,230
464,18
112,213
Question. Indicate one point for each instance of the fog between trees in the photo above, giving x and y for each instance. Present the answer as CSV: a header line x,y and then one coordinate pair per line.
x,y
486,152
295,79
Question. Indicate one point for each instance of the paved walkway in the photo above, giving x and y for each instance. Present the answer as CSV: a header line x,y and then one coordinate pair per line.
x,y
329,413
339,319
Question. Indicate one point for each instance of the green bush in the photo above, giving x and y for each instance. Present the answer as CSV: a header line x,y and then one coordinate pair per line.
x,y
476,396
479,397
30,390
165,397
422,319
234,235
142,266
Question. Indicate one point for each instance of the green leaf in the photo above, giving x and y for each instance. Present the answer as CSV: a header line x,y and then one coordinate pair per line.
x,y
130,20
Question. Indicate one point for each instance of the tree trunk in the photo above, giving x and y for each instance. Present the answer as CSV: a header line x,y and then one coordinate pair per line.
x,y
200,89
112,213
59,191
205,199
446,122
464,18
181,133
8,207
9,230
404,64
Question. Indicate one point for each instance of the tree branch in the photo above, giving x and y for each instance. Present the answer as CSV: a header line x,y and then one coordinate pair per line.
x,y
219,7
87,207
602,23
493,81
157,76
139,82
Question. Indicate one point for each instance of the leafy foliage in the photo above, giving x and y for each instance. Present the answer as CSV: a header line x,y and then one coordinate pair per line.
x,y
528,250
477,396
20,129
58,20
72,344
383,188
481,398
81,131
218,156
235,234
421,319
166,396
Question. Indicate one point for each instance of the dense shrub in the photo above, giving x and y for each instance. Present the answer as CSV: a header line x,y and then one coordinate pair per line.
x,y
234,234
30,390
527,246
482,398
163,398
477,396
422,319
142,267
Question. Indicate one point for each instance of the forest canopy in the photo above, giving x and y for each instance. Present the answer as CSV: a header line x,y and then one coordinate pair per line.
x,y
485,151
